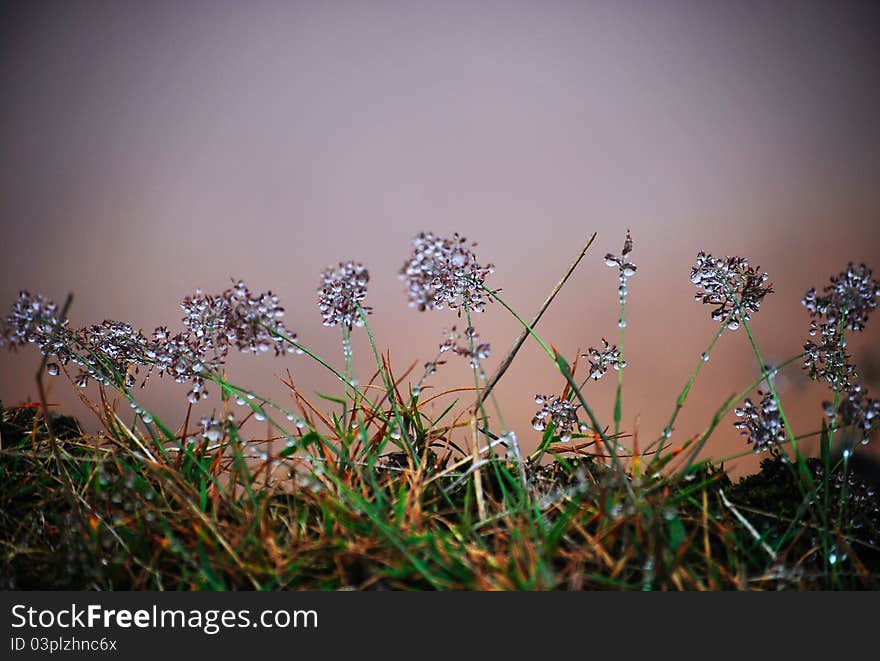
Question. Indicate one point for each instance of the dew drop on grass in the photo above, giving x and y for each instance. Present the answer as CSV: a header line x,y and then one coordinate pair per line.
x,y
416,391
847,453
239,401
147,418
832,559
259,415
300,424
622,323
733,325
704,356
291,417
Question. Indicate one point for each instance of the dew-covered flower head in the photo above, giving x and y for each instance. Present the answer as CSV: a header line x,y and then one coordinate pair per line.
x,y
119,346
602,359
626,267
827,359
444,272
112,352
851,295
342,289
562,413
761,424
465,344
253,320
856,410
731,285
34,319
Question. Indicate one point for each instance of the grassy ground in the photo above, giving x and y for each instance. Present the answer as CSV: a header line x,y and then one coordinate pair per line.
x,y
98,515
369,492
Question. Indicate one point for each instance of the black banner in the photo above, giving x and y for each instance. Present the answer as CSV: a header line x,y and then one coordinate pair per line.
x,y
397,625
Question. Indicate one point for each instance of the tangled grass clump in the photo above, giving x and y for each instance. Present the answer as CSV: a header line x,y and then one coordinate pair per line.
x,y
382,493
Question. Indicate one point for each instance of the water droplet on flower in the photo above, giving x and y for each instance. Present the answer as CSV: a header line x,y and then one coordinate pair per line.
x,y
733,325
52,369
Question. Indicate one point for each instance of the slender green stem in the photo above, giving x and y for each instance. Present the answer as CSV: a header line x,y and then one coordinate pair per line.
x,y
475,366
389,388
766,374
618,398
683,395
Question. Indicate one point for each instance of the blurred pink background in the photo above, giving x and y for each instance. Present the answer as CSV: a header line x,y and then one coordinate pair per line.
x,y
152,148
